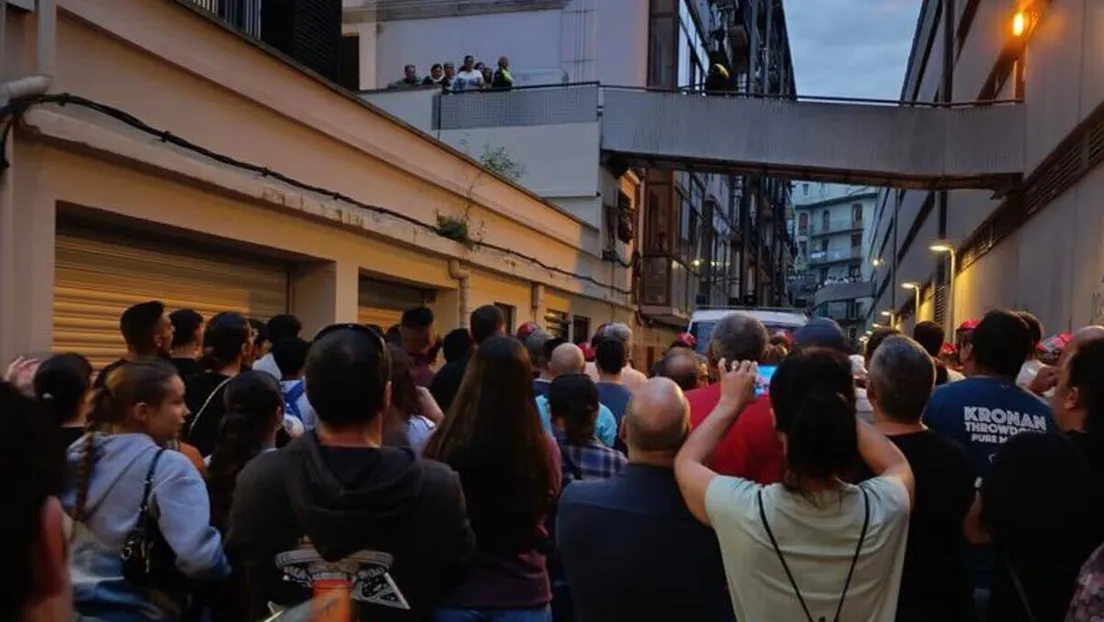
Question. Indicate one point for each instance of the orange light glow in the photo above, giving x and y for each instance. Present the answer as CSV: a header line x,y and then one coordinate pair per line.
x,y
1019,23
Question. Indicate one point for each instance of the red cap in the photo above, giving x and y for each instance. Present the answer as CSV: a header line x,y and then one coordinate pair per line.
x,y
527,329
588,351
968,325
948,349
688,339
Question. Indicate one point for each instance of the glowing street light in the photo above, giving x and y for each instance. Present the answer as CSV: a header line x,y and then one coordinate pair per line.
x,y
944,246
1019,24
877,262
916,288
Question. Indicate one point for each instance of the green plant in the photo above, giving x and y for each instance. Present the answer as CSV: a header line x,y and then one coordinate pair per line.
x,y
457,227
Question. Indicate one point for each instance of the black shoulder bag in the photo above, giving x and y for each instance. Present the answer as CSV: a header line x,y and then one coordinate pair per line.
x,y
147,558
786,567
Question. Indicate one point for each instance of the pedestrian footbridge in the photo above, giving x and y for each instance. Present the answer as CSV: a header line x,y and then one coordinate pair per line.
x,y
857,142
967,146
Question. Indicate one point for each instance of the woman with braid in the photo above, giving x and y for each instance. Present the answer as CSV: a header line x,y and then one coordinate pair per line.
x,y
138,411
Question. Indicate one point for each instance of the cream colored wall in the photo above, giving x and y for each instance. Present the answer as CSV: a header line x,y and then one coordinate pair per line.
x,y
171,67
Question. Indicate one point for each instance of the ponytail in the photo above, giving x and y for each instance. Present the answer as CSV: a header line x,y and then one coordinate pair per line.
x,y
241,438
822,440
100,407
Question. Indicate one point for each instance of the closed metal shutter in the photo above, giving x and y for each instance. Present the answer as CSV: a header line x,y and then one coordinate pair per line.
x,y
382,303
95,280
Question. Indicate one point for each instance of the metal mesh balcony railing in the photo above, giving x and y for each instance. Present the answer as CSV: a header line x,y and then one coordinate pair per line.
x,y
245,15
519,107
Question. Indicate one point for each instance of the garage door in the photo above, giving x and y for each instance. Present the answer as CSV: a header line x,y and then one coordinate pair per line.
x,y
382,303
95,279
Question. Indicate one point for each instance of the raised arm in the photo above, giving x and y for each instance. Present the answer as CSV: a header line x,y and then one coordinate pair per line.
x,y
694,477
883,457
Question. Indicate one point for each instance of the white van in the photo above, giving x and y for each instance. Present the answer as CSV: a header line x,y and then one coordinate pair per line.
x,y
775,319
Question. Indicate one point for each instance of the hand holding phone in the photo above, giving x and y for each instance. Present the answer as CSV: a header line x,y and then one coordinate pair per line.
x,y
763,380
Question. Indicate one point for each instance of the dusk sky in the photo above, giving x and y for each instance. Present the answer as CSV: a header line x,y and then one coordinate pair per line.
x,y
851,48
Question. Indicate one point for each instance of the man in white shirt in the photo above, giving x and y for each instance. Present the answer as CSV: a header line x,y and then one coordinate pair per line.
x,y
280,327
468,78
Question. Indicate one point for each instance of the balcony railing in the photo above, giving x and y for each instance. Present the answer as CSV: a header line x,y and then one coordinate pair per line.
x,y
834,255
835,225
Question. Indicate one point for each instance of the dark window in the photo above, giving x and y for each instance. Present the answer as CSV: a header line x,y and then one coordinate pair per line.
x,y
826,220
856,212
856,240
580,329
508,313
556,323
349,67
803,223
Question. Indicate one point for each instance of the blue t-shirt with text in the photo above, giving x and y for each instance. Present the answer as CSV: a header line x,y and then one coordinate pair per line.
x,y
981,413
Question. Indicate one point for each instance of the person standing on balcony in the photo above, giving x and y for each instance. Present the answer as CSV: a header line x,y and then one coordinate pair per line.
x,y
436,74
410,78
502,80
469,78
717,80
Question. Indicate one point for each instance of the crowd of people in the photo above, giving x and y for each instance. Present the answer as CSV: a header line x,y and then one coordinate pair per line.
x,y
228,469
473,76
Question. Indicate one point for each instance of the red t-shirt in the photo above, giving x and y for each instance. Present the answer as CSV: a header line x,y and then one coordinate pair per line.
x,y
751,449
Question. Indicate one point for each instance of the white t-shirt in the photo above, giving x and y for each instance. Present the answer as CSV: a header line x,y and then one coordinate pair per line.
x,y
1027,374
863,409
467,80
818,538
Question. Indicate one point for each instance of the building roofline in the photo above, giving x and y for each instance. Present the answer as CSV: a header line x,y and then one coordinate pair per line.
x,y
847,198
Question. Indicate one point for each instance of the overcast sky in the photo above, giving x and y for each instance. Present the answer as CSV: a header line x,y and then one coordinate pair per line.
x,y
851,48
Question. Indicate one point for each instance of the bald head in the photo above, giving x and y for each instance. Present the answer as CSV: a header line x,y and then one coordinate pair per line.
x,y
1080,337
681,366
657,418
567,359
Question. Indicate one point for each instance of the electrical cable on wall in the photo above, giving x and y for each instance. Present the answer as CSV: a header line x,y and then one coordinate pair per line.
x,y
15,110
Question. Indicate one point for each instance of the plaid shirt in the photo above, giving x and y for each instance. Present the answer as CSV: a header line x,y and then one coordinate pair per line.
x,y
591,461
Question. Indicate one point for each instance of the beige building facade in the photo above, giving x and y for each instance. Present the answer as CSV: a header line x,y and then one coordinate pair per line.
x,y
307,200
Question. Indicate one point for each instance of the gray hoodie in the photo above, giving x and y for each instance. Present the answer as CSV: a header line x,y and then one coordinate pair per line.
x,y
179,497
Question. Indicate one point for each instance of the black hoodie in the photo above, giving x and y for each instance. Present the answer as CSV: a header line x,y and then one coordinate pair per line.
x,y
396,523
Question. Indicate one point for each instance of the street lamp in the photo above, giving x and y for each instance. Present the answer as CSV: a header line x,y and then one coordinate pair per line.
x,y
916,288
877,261
1019,24
944,246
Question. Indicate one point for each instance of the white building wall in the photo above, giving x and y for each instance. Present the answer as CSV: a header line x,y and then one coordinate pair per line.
x,y
532,40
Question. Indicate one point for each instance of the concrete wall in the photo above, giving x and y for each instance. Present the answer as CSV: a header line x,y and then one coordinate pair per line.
x,y
1052,265
560,161
176,70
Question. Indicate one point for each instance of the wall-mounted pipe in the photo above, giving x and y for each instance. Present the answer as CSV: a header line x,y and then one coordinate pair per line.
x,y
45,50
463,283
536,301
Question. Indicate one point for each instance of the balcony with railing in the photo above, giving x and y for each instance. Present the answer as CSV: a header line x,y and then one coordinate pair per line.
x,y
835,255
849,224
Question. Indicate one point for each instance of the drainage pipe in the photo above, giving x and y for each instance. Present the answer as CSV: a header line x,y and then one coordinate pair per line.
x,y
463,282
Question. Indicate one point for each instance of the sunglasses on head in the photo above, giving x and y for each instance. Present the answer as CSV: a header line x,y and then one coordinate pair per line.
x,y
376,338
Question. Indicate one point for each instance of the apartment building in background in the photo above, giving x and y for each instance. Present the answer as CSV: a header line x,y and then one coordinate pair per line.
x,y
832,231
254,184
1035,245
702,238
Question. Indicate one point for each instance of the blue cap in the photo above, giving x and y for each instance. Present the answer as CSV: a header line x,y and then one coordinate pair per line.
x,y
820,332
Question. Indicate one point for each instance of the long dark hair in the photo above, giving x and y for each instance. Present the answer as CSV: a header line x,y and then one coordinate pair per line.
x,y
493,438
132,383
404,391
61,385
253,400
813,397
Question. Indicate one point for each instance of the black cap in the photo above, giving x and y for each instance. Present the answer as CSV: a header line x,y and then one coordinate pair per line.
x,y
821,332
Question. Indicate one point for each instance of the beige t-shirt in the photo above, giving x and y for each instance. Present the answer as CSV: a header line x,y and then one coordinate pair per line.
x,y
818,538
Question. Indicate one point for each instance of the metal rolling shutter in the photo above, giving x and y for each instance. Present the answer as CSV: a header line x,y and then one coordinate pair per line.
x,y
382,303
96,279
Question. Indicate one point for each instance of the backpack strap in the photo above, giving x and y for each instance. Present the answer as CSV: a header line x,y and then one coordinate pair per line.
x,y
291,398
202,409
786,567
